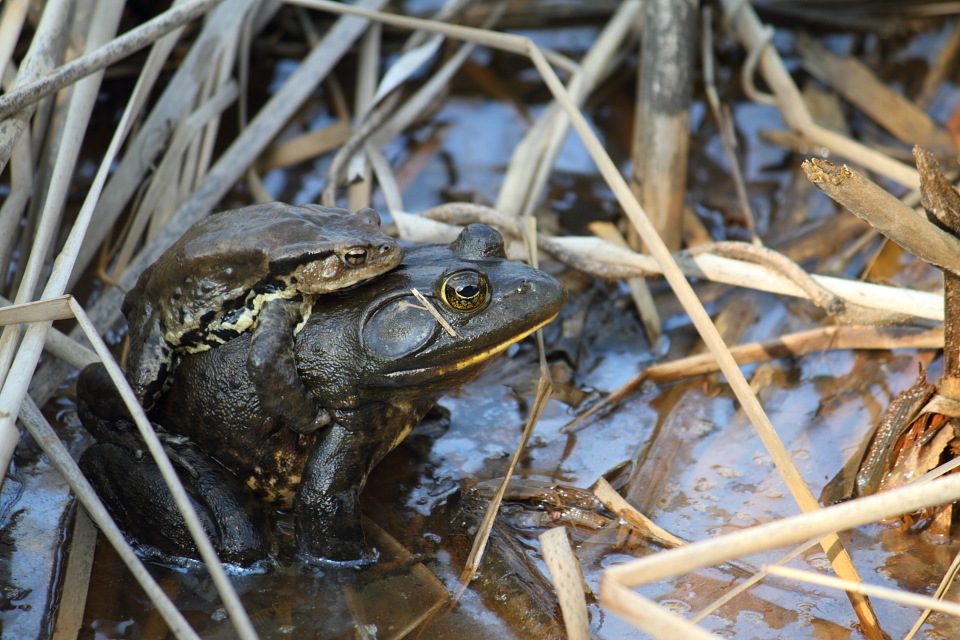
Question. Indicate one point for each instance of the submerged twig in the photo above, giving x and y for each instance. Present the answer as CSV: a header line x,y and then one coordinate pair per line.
x,y
724,120
895,595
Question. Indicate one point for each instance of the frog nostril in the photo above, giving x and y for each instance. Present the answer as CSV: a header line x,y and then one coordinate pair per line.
x,y
525,287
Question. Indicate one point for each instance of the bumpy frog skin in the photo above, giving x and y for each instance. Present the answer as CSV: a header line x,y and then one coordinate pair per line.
x,y
373,357
259,267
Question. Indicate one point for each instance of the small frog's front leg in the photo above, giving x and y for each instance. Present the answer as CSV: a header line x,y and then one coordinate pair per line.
x,y
273,369
327,504
149,361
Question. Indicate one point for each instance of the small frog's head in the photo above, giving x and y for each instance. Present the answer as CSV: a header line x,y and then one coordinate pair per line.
x,y
352,251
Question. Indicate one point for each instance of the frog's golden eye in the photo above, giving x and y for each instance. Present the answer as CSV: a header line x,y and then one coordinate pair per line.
x,y
465,291
355,256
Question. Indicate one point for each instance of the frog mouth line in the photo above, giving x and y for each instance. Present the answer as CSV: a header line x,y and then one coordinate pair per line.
x,y
476,358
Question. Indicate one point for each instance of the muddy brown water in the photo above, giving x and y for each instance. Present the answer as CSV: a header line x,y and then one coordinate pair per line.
x,y
697,466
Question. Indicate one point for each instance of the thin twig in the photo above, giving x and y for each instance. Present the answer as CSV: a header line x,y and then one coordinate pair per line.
x,y
896,595
432,310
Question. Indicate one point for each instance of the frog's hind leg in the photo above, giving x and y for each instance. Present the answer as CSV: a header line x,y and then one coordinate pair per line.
x,y
273,368
105,416
138,499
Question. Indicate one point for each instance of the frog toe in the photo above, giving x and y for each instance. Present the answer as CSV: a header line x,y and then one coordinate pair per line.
x,y
323,419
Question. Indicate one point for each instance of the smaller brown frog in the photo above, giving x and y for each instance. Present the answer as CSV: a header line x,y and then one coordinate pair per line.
x,y
259,268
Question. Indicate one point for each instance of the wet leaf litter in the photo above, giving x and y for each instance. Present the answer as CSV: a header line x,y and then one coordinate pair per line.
x,y
464,131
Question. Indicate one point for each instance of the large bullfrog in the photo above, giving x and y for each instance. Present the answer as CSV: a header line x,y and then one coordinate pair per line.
x,y
258,268
374,357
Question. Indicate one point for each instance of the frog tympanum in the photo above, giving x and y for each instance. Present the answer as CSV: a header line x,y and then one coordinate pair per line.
x,y
373,357
259,267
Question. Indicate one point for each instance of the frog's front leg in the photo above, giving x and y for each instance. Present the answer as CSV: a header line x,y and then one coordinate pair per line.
x,y
273,368
327,504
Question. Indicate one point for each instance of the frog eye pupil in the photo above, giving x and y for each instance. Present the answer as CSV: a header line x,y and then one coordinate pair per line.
x,y
356,256
468,291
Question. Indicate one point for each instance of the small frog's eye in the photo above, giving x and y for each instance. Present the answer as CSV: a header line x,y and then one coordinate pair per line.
x,y
355,256
465,291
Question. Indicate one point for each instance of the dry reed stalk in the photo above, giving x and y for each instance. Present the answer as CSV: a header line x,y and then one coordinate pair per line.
x,y
306,146
724,120
567,579
104,19
755,38
163,184
530,168
632,516
44,53
110,52
894,595
360,190
858,84
617,581
21,186
152,136
11,24
661,126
